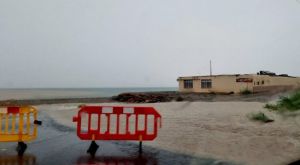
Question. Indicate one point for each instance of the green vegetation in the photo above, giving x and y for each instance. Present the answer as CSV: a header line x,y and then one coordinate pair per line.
x,y
271,107
260,116
285,104
245,92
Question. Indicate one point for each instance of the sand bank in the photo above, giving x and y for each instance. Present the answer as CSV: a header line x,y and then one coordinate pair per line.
x,y
215,129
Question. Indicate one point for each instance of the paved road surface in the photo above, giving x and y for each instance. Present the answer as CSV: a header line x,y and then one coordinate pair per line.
x,y
59,145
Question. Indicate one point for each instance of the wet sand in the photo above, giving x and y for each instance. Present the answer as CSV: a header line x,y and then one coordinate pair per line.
x,y
218,130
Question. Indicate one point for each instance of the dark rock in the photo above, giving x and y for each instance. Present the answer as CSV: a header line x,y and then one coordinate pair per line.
x,y
142,98
269,121
179,98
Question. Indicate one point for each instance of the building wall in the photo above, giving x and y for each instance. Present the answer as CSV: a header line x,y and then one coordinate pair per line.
x,y
275,83
220,84
228,83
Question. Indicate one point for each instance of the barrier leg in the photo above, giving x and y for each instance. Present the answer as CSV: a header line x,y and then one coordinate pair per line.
x,y
21,148
140,147
93,148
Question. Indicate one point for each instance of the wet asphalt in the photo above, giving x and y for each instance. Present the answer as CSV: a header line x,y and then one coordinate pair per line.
x,y
59,145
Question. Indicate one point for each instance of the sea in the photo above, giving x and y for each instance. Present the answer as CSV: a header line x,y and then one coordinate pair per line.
x,y
52,93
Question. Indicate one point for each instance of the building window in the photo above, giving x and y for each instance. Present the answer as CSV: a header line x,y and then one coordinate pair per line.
x,y
188,83
206,83
257,83
262,82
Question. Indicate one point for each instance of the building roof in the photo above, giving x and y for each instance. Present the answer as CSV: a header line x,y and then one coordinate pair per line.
x,y
229,75
219,75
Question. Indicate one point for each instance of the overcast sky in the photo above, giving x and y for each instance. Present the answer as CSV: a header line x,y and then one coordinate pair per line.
x,y
143,43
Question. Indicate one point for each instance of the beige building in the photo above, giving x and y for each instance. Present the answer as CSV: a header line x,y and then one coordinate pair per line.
x,y
237,83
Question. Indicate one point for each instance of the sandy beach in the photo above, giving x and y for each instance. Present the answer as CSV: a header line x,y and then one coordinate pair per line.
x,y
219,130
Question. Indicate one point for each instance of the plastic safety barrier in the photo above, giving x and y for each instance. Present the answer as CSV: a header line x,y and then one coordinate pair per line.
x,y
18,124
117,123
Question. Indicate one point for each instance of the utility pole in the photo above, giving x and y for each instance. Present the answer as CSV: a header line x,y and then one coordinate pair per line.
x,y
210,68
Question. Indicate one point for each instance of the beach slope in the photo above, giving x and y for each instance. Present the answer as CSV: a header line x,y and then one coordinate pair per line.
x,y
219,130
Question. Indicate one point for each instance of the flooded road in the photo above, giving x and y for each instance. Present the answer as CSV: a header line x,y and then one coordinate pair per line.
x,y
59,145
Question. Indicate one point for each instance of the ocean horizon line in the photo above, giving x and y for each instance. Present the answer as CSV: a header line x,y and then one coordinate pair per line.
x,y
43,93
87,87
